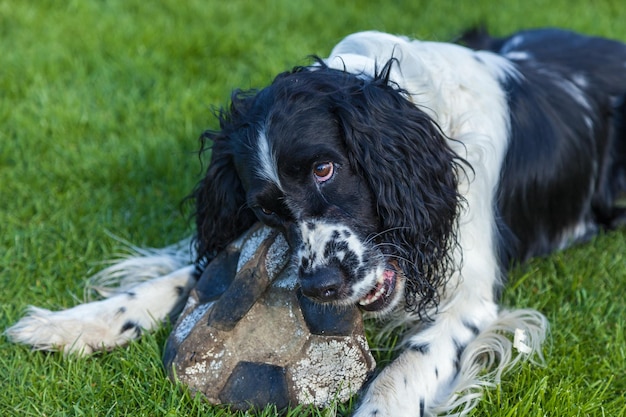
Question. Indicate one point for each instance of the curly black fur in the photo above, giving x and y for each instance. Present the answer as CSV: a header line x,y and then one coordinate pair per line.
x,y
220,202
403,155
396,149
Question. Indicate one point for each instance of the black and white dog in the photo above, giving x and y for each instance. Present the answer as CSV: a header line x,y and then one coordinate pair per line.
x,y
406,176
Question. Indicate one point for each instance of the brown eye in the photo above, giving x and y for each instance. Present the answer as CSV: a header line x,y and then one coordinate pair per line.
x,y
266,211
323,171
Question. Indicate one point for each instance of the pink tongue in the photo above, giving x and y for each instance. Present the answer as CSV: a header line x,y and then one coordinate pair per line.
x,y
389,275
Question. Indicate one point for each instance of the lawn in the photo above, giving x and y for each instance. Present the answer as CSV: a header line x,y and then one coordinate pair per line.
x,y
101,105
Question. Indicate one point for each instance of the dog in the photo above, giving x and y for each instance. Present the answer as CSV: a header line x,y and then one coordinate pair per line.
x,y
406,176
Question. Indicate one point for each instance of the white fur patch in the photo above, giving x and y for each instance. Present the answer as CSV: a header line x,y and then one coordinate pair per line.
x,y
518,55
267,168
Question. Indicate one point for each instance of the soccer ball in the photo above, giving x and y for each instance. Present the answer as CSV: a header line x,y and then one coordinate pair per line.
x,y
248,337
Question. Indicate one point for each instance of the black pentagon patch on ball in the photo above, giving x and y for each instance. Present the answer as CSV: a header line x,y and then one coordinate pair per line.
x,y
255,385
217,276
325,319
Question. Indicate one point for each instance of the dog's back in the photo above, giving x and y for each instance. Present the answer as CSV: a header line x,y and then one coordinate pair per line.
x,y
565,167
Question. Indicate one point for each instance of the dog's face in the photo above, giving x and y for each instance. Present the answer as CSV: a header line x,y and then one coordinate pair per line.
x,y
297,176
339,164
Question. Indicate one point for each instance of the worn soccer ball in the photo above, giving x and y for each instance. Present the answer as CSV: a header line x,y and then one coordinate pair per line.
x,y
248,337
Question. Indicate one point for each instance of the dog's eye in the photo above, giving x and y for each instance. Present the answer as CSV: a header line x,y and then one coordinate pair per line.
x,y
323,171
266,211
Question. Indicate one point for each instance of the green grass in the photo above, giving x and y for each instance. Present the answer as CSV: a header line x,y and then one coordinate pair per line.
x,y
101,103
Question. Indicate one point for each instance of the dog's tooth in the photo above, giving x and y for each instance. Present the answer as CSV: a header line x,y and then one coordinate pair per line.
x,y
374,297
380,291
365,302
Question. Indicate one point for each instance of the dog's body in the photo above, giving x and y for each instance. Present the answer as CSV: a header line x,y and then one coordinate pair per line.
x,y
406,177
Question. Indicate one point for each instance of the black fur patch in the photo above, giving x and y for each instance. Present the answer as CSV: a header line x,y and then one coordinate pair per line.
x,y
459,352
421,348
131,325
471,327
179,290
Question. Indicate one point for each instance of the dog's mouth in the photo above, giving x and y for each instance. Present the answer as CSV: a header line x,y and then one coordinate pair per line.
x,y
382,294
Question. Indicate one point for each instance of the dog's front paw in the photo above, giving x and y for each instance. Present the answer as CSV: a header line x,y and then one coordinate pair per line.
x,y
69,331
105,324
405,388
387,404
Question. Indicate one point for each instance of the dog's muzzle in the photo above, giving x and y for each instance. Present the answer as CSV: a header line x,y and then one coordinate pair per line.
x,y
337,266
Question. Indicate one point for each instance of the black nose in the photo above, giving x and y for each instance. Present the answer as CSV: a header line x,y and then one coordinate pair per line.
x,y
323,284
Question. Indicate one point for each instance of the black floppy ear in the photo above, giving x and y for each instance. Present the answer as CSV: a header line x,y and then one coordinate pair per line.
x,y
221,213
412,174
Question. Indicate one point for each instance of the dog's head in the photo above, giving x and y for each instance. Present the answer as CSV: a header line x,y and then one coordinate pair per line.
x,y
360,180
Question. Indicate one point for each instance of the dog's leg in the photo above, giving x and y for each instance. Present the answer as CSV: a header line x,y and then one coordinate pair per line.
x,y
105,324
141,291
428,365
441,371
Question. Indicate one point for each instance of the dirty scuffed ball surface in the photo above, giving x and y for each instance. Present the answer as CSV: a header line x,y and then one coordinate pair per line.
x,y
248,337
